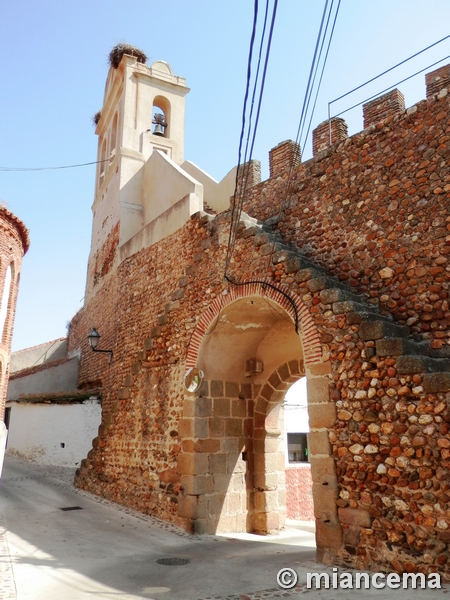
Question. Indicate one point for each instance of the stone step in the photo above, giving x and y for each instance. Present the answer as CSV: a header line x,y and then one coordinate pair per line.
x,y
409,364
399,346
436,382
366,316
382,328
349,306
332,295
441,353
323,282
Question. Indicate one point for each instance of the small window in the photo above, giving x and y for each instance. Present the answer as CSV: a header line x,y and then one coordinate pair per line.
x,y
114,136
5,300
7,416
7,422
297,447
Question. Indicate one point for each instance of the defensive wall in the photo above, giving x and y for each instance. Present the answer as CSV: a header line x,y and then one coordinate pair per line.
x,y
357,259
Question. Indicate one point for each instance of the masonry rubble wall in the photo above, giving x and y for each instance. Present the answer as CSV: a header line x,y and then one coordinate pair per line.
x,y
368,215
374,211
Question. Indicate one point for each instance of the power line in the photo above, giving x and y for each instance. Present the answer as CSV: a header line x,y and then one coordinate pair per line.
x,y
242,173
95,162
241,137
311,77
392,86
308,92
246,169
321,75
391,69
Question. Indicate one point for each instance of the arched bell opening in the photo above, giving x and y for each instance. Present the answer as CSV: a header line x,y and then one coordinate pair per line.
x,y
161,117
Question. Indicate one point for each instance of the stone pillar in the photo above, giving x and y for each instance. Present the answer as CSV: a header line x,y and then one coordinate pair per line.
x,y
321,134
437,80
390,104
249,175
322,418
283,156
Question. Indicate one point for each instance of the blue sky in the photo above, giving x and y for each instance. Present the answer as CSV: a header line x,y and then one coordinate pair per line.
x,y
53,71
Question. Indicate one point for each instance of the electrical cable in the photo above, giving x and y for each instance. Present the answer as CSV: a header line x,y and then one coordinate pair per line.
x,y
308,93
311,77
321,75
243,183
247,165
241,180
273,287
95,162
392,86
238,202
390,69
244,110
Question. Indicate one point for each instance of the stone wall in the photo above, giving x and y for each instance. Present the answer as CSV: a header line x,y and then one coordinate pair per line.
x,y
357,263
374,212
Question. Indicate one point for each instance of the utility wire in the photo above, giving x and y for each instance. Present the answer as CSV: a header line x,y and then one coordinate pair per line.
x,y
246,169
242,173
391,69
321,75
392,86
308,94
311,77
95,162
241,138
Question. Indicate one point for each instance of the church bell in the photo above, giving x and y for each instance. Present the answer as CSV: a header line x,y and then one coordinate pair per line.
x,y
158,121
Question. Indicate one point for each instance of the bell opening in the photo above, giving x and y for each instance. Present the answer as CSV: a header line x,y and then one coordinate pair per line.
x,y
159,124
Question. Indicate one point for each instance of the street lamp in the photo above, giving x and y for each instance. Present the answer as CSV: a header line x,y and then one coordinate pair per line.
x,y
94,338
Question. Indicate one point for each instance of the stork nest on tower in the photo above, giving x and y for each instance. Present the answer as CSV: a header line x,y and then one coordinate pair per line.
x,y
96,117
115,56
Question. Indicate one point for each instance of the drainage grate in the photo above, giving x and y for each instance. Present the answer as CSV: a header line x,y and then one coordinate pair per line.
x,y
71,508
173,561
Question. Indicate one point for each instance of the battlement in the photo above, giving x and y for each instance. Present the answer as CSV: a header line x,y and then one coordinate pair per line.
x,y
330,132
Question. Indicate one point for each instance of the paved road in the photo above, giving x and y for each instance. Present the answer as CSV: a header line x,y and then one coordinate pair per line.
x,y
101,550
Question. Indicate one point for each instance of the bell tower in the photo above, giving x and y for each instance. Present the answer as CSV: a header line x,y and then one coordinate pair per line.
x,y
143,111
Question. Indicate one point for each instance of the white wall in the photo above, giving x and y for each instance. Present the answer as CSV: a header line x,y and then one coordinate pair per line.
x,y
36,431
296,408
38,355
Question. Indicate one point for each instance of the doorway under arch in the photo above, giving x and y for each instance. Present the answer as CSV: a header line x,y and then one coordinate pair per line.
x,y
232,464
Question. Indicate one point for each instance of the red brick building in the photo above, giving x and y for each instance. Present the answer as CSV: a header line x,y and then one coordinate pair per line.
x,y
14,243
341,275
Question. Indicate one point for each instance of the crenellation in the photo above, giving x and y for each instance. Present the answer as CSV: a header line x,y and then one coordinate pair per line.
x,y
389,105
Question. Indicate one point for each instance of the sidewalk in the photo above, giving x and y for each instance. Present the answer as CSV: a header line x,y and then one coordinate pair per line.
x,y
100,550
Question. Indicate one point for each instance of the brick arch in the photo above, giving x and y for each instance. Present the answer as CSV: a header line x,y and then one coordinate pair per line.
x,y
268,444
268,435
309,335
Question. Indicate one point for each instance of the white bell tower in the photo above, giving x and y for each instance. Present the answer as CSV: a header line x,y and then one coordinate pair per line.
x,y
143,111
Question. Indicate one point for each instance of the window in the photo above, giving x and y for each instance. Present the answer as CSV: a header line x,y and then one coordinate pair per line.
x,y
7,416
7,421
114,135
5,300
161,117
297,447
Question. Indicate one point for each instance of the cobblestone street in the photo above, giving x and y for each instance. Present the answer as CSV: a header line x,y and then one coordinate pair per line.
x,y
102,550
